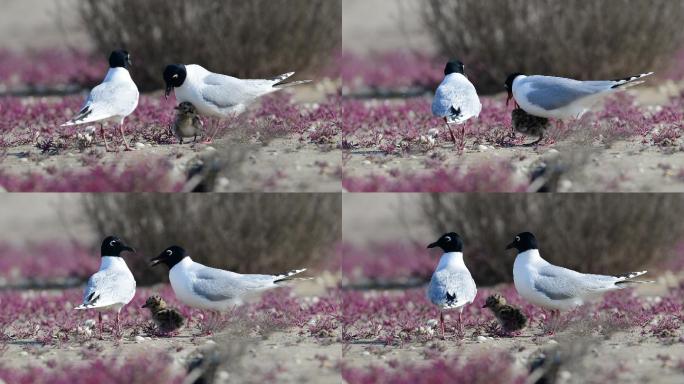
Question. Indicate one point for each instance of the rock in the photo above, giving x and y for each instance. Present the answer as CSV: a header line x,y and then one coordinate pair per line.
x,y
552,342
139,339
90,323
432,323
210,342
482,148
139,145
481,339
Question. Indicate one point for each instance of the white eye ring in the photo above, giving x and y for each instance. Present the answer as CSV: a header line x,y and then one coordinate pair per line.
x,y
169,252
111,243
174,76
517,238
448,238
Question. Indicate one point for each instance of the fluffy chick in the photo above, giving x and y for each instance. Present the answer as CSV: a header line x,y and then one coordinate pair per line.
x,y
188,122
167,319
510,318
529,125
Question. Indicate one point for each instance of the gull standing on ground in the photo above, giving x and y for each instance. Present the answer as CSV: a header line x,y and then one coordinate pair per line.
x,y
216,95
214,289
451,286
561,98
557,288
113,100
113,286
456,99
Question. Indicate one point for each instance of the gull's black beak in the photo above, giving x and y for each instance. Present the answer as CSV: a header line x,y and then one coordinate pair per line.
x,y
169,88
155,261
511,245
433,245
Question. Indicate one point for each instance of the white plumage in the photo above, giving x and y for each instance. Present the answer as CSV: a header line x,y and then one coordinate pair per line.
x,y
456,100
561,98
113,100
111,287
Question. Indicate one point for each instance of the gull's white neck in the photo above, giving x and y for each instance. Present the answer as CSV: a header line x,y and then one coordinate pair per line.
x,y
518,79
529,257
116,74
451,260
112,262
183,264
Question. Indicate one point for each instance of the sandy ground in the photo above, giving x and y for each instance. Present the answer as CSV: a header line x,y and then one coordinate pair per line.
x,y
627,166
285,164
589,357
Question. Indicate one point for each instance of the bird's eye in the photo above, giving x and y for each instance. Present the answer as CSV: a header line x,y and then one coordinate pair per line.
x,y
111,243
169,252
517,238
447,238
174,76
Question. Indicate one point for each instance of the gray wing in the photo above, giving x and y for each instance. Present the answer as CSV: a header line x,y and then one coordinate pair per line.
x,y
219,285
112,99
559,283
450,288
226,91
556,92
456,98
105,288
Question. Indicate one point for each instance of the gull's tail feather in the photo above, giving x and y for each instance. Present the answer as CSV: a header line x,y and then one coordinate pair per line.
x,y
630,81
289,276
626,279
80,117
278,81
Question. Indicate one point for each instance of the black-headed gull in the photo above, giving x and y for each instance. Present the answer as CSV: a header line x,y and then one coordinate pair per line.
x,y
456,99
217,95
113,100
113,286
561,98
215,289
451,286
187,123
557,288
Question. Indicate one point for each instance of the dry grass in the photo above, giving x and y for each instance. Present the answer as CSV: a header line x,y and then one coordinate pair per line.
x,y
246,233
584,39
599,233
256,38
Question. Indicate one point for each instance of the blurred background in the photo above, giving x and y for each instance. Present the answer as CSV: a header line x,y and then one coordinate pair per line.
x,y
601,39
54,240
386,235
259,38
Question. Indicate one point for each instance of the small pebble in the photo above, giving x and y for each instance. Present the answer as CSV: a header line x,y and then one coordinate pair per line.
x,y
139,339
139,145
210,342
481,338
553,341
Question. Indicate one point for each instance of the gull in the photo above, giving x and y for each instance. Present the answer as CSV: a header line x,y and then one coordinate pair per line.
x,y
166,319
187,123
451,286
214,289
113,286
217,95
113,100
510,318
456,99
557,288
561,98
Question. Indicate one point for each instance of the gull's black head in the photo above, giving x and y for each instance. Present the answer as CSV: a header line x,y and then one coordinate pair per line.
x,y
524,242
509,85
170,256
454,66
113,246
449,242
174,77
120,59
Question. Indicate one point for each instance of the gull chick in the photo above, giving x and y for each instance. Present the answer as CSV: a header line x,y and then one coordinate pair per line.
x,y
187,123
113,100
510,318
557,288
113,286
451,286
166,319
203,287
528,124
456,100
217,95
561,98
